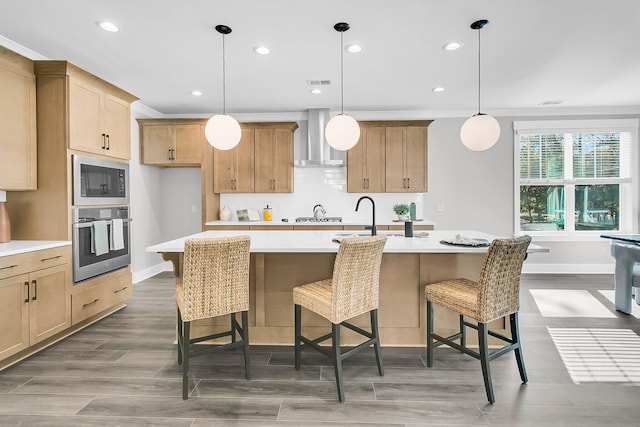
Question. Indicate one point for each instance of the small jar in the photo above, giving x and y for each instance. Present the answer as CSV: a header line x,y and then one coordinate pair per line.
x,y
266,214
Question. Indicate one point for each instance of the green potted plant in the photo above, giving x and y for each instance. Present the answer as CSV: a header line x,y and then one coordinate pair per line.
x,y
402,210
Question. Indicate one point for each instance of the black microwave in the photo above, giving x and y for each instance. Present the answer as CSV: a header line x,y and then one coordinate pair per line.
x,y
99,181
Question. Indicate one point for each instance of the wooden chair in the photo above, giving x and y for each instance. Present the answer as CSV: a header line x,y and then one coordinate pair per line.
x,y
215,283
493,296
352,290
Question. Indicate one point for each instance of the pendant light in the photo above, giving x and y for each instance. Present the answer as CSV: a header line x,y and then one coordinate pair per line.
x,y
481,131
342,131
223,131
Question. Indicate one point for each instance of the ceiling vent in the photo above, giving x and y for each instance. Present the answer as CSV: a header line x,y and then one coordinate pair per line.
x,y
319,82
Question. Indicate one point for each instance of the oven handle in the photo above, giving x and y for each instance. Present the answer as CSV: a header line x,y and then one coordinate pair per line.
x,y
88,223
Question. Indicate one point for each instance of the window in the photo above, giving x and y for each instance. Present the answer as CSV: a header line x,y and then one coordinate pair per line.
x,y
575,177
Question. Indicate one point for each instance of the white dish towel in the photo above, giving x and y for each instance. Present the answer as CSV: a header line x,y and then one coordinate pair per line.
x,y
117,235
99,238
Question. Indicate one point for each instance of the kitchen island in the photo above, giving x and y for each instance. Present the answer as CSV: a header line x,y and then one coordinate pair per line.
x,y
282,260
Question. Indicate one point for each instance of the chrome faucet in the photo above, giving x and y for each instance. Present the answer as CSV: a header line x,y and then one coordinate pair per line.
x,y
371,227
319,212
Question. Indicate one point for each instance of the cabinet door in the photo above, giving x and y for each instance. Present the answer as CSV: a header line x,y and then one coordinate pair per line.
x,y
14,315
416,159
157,143
366,162
116,125
273,161
18,135
395,163
85,105
50,303
187,146
233,170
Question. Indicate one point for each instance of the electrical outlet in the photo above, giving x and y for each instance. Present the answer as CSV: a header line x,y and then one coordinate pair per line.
x,y
439,207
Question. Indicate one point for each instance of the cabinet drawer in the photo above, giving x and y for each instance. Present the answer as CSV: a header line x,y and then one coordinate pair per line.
x,y
14,265
101,295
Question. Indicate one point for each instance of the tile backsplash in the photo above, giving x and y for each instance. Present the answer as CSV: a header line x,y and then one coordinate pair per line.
x,y
325,186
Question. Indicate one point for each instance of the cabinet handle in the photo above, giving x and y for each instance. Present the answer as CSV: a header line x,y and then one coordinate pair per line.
x,y
50,258
120,290
173,154
90,303
9,266
169,154
104,141
367,183
27,285
108,142
35,290
408,183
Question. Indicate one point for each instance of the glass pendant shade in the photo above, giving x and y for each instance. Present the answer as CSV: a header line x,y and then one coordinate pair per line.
x,y
222,132
342,132
480,132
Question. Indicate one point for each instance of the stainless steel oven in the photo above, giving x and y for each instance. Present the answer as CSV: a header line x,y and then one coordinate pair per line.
x,y
86,263
99,182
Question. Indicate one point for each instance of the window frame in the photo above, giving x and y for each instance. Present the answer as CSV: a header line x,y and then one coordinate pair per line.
x,y
629,193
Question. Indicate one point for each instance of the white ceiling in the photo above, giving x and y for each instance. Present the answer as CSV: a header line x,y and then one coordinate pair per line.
x,y
582,51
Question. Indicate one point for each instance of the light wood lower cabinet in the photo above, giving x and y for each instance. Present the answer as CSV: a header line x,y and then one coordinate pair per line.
x,y
34,304
100,294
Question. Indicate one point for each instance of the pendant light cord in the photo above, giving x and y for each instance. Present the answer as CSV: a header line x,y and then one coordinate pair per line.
x,y
224,80
342,70
479,71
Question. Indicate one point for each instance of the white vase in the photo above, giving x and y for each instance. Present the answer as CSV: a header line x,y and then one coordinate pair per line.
x,y
403,217
225,214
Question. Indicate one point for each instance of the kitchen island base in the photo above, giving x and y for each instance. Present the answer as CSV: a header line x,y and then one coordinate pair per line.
x,y
403,277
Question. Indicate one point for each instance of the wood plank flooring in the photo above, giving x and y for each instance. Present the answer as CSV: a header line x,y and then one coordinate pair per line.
x,y
122,371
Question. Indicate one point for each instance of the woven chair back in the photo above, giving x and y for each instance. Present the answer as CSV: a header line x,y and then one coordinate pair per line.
x,y
215,277
499,283
356,277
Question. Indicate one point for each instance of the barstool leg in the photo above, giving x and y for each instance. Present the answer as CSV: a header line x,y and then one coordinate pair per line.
x,y
463,333
337,359
483,343
515,335
180,339
376,345
245,344
429,334
185,363
233,327
298,327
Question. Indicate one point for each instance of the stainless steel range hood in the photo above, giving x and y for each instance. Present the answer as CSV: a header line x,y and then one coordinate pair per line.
x,y
317,152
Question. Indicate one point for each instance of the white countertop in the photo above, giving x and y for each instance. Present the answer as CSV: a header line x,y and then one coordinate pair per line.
x,y
16,247
321,223
289,241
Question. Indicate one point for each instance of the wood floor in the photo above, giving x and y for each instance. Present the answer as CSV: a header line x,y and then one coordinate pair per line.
x,y
122,371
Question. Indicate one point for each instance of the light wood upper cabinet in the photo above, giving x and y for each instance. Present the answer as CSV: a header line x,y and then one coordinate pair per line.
x,y
366,162
98,114
391,157
233,170
18,144
406,151
274,160
171,142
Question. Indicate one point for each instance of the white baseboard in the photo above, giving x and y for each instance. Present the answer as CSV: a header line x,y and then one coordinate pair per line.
x,y
567,268
139,276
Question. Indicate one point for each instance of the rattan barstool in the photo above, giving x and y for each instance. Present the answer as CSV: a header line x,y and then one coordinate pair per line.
x,y
215,283
493,296
352,290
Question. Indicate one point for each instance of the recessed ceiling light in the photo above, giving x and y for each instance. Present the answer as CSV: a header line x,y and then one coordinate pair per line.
x,y
316,91
196,93
261,50
438,89
452,46
353,48
108,26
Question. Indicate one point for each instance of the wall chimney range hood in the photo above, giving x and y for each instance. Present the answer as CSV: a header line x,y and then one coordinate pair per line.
x,y
318,152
